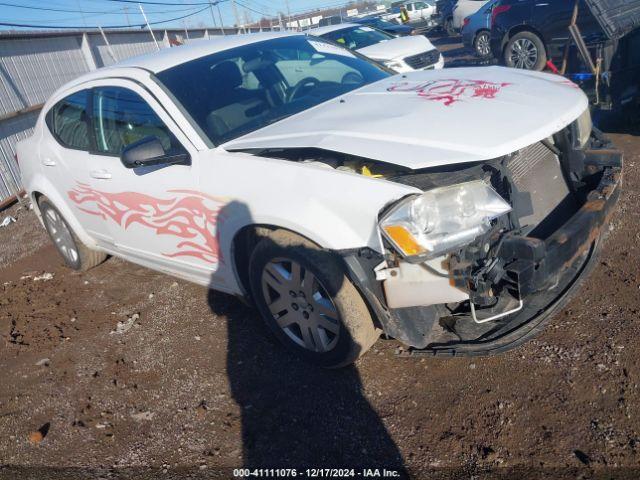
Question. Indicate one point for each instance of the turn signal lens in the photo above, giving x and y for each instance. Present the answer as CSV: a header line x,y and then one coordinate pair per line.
x,y
404,240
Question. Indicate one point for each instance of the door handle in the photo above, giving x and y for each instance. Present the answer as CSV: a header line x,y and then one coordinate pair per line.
x,y
100,174
47,162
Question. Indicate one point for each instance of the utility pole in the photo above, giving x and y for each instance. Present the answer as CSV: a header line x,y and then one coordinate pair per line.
x,y
126,14
149,27
212,16
235,14
221,20
288,10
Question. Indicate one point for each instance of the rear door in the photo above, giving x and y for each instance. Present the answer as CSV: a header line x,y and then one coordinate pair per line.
x,y
64,155
156,215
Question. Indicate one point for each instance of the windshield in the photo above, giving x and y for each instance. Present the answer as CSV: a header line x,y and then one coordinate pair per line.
x,y
237,91
356,38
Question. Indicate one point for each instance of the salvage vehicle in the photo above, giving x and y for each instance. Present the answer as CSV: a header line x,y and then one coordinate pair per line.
x,y
443,17
391,28
592,42
464,8
402,54
476,30
336,196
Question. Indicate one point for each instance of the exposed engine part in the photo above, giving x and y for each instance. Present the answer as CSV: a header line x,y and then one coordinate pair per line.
x,y
337,160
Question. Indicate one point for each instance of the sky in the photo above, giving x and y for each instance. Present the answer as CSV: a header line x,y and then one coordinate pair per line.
x,y
107,13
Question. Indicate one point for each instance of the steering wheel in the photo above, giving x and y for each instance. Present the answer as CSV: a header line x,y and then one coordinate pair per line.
x,y
304,83
352,78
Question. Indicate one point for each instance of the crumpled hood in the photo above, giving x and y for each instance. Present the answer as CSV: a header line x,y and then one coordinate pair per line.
x,y
432,118
398,48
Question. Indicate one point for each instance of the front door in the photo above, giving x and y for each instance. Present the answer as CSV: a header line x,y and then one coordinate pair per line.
x,y
156,214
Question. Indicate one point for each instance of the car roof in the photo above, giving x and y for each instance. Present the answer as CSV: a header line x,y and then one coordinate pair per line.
x,y
170,57
331,28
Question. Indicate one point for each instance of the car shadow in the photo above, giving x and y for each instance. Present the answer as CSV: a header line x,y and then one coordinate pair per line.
x,y
295,415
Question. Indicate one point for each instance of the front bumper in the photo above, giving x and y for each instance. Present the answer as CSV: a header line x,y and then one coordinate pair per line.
x,y
540,264
547,271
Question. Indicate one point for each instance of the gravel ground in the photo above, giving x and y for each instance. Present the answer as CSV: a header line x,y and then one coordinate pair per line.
x,y
124,372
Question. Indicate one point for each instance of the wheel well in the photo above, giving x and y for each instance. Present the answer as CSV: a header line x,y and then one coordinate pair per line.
x,y
242,246
525,28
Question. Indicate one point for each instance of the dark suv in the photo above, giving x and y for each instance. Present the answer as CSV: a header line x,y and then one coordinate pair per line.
x,y
528,33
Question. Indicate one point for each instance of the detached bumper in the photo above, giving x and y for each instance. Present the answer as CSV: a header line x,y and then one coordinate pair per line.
x,y
540,264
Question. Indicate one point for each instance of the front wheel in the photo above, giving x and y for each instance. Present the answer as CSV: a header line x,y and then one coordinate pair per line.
x,y
525,50
308,302
482,45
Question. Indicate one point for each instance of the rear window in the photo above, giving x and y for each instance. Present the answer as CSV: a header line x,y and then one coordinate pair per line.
x,y
68,121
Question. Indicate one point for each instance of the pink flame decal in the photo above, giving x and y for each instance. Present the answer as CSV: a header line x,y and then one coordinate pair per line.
x,y
189,215
449,91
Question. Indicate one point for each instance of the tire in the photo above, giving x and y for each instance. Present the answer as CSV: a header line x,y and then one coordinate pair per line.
x,y
525,50
482,45
74,253
314,311
448,27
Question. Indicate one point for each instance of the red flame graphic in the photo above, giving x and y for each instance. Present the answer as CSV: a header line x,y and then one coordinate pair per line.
x,y
189,215
449,91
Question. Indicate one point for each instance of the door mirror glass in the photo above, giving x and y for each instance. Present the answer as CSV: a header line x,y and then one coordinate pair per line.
x,y
149,151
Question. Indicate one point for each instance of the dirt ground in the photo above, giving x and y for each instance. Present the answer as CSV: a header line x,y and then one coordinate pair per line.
x,y
124,372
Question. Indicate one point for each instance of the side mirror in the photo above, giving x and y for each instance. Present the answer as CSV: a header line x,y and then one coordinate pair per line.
x,y
149,151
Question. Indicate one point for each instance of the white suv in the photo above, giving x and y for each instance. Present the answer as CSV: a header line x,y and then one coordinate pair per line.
x,y
341,199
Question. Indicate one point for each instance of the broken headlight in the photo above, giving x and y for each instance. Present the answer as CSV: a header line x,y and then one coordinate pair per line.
x,y
442,219
582,129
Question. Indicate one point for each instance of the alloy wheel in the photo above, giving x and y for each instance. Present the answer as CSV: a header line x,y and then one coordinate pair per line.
x,y
61,235
524,54
483,47
300,305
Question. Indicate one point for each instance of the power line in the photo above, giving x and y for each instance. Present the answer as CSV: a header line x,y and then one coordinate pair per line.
x,y
21,25
93,15
66,10
163,3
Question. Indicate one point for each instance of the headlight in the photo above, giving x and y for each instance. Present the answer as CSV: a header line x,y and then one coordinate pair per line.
x,y
582,128
442,219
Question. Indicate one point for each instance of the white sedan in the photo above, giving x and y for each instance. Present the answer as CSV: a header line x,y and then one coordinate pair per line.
x,y
340,199
402,54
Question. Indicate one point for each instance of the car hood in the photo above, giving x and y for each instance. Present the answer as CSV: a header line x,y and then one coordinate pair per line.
x,y
399,47
432,118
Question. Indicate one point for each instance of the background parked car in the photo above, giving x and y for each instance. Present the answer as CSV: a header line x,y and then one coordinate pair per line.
x,y
334,20
476,30
402,54
386,26
527,33
420,11
464,8
444,15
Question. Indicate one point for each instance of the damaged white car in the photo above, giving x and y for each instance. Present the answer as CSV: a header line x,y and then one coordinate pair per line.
x,y
453,210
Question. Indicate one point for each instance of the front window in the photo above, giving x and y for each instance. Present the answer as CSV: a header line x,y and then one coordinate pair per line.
x,y
237,91
121,117
356,38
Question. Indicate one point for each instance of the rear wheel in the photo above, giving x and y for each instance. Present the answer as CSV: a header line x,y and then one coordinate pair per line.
x,y
308,302
481,44
525,50
76,255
